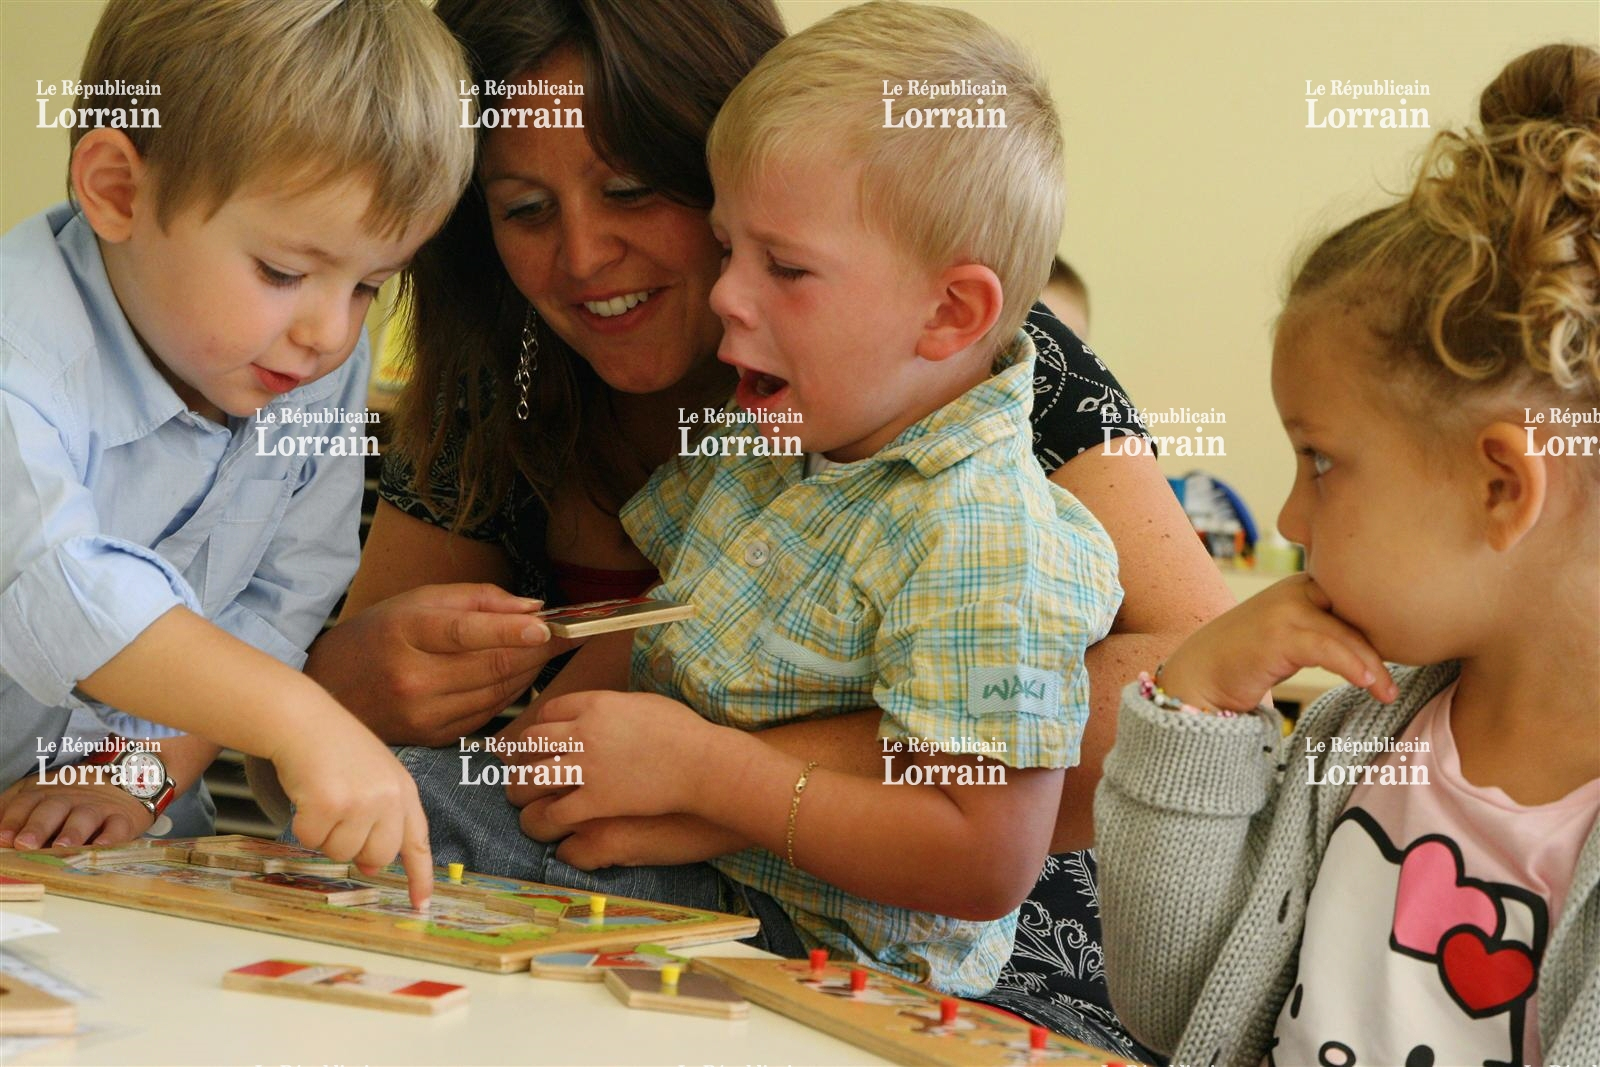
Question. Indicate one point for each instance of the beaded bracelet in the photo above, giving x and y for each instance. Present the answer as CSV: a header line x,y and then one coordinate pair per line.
x,y
1151,690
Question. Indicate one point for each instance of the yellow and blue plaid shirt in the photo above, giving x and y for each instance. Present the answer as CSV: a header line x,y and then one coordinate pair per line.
x,y
944,580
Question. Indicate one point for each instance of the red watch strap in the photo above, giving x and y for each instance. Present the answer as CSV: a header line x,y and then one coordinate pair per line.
x,y
165,797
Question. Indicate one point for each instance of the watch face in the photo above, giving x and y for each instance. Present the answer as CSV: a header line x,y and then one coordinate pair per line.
x,y
143,774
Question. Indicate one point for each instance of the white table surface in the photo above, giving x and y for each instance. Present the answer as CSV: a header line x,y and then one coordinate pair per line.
x,y
156,997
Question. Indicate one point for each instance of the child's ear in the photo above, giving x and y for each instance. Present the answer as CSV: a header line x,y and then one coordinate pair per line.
x,y
970,301
108,176
1513,484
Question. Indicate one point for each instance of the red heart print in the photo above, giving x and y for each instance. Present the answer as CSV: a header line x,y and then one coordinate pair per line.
x,y
1431,899
1482,979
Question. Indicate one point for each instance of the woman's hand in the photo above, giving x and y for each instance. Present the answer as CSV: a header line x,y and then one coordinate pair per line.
x,y
38,815
1233,662
429,665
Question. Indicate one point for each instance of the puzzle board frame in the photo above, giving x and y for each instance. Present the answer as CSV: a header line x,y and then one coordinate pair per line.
x,y
500,943
896,1019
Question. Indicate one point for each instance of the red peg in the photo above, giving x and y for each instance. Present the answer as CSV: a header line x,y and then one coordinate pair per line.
x,y
949,1008
1038,1038
858,981
819,960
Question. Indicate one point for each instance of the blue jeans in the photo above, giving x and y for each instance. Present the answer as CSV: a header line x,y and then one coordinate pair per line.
x,y
476,826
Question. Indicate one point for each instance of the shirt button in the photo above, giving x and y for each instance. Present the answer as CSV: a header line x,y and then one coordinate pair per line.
x,y
661,669
756,553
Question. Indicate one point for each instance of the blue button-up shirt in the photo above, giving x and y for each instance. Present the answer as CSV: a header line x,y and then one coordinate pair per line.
x,y
118,504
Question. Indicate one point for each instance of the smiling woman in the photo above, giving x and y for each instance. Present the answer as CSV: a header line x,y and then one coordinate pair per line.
x,y
617,271
562,320
563,323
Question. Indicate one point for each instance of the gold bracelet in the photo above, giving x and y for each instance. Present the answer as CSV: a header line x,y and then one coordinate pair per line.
x,y
794,807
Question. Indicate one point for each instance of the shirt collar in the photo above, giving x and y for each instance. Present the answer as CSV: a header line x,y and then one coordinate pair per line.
x,y
990,411
143,399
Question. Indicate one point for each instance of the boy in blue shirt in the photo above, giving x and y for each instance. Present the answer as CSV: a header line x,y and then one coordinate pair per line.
x,y
180,488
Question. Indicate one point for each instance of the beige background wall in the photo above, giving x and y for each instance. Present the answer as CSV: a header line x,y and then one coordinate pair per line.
x,y
1192,177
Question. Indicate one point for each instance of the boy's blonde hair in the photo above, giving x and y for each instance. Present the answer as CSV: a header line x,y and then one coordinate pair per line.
x,y
944,194
303,92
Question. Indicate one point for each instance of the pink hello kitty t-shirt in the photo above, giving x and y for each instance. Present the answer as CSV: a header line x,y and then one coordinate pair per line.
x,y
1430,915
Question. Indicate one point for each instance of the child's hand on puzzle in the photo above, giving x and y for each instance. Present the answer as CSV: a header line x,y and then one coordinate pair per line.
x,y
1233,662
38,815
638,757
354,801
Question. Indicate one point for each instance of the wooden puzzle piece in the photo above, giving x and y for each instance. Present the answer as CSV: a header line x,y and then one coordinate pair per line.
x,y
235,861
307,888
321,866
547,908
592,966
947,1020
264,857
344,984
447,913
604,616
860,985
468,884
27,1011
592,913
17,889
669,989
142,850
1038,1049
253,846
169,874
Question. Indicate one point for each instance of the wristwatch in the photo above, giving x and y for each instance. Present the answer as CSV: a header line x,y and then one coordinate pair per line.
x,y
137,770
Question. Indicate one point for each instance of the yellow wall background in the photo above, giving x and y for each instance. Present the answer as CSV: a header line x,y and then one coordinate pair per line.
x,y
1192,178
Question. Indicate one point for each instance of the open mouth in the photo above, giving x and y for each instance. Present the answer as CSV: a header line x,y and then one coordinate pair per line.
x,y
766,385
273,381
758,388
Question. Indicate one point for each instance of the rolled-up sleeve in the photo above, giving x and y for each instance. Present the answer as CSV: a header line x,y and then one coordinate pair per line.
x,y
986,636
72,597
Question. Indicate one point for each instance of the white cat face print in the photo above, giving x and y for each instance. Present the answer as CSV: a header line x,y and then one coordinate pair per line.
x,y
1406,960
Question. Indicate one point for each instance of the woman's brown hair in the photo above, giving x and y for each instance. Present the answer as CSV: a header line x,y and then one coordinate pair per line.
x,y
655,73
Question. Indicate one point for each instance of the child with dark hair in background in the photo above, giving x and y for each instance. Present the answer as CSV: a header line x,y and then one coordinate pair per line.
x,y
1067,295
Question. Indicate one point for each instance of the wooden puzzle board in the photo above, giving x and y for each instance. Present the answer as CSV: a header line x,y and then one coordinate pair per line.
x,y
895,1019
461,929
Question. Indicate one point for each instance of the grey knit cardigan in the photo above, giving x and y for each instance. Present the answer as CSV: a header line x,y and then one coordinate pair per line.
x,y
1208,846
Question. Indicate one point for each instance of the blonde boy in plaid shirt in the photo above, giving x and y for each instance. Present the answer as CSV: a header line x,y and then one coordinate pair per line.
x,y
917,560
